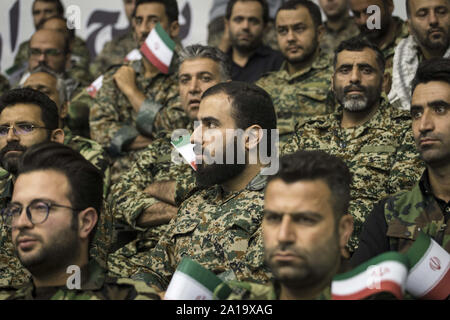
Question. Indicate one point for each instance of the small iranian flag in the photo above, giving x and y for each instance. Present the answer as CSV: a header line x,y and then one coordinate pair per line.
x,y
134,55
385,273
158,48
95,86
429,276
191,281
186,149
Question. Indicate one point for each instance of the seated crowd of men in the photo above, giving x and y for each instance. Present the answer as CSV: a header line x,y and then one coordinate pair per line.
x,y
356,121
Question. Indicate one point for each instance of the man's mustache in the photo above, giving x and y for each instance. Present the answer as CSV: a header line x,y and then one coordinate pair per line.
x,y
12,146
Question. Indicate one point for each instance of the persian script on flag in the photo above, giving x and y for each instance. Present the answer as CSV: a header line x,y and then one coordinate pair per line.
x,y
158,48
95,86
429,275
186,149
383,274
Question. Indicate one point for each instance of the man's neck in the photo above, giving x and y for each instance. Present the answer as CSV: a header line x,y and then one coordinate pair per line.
x,y
440,181
337,23
241,181
429,54
311,293
241,58
355,119
150,70
388,36
294,68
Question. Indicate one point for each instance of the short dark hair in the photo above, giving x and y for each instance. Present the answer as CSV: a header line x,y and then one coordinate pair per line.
x,y
263,4
85,180
251,105
49,110
313,9
171,7
197,51
59,5
358,43
312,165
435,69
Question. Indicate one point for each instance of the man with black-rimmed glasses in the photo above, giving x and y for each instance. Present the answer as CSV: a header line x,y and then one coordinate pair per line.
x,y
27,118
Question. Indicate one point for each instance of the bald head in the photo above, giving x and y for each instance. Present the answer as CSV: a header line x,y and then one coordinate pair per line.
x,y
49,48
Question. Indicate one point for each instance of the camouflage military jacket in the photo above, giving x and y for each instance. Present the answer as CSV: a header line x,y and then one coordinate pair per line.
x,y
298,96
114,123
4,85
98,286
114,52
409,212
380,154
219,230
331,38
256,291
80,59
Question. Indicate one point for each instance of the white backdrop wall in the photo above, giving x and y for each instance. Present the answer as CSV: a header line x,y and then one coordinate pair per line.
x,y
100,19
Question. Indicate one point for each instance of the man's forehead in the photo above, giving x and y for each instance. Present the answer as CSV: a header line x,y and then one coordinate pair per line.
x,y
216,106
199,65
291,17
44,184
366,56
44,5
429,92
151,9
418,4
49,38
247,9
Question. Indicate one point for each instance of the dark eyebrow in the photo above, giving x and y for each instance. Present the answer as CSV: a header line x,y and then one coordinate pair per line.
x,y
365,65
309,214
347,65
439,103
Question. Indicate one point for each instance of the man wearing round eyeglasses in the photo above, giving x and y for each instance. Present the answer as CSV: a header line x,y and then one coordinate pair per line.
x,y
52,217
27,118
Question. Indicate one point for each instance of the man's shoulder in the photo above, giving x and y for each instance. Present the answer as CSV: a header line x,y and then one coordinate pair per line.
x,y
82,145
129,289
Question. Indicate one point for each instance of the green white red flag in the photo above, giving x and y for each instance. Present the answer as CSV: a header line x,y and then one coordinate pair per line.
x,y
429,275
186,149
385,273
95,86
158,48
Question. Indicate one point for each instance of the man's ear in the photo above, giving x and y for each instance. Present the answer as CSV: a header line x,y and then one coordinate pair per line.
x,y
64,110
57,136
174,29
387,82
345,231
320,32
87,220
253,136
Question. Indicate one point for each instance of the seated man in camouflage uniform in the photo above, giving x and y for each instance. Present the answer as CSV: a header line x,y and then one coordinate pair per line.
x,y
46,81
52,216
137,101
305,228
373,139
200,68
339,25
301,88
80,57
115,51
395,221
392,30
217,225
29,117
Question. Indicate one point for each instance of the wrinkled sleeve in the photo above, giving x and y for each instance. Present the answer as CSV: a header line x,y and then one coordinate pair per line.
x,y
104,120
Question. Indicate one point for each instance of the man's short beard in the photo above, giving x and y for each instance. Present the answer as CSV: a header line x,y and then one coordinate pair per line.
x,y
307,55
440,46
355,103
247,48
216,174
11,162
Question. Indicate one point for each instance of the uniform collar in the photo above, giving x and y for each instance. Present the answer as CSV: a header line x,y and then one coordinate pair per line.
x,y
320,63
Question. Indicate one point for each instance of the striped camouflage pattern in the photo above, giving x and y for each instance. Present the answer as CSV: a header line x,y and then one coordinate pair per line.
x,y
98,286
380,154
219,230
256,291
409,212
112,116
298,96
331,39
